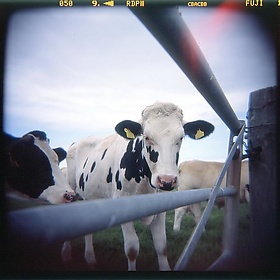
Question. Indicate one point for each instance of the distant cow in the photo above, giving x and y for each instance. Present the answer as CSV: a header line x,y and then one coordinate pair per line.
x,y
198,174
31,167
142,158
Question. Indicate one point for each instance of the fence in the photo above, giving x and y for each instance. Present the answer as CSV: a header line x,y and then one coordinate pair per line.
x,y
46,225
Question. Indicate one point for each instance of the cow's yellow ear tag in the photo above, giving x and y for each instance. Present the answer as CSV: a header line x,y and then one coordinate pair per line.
x,y
199,134
129,134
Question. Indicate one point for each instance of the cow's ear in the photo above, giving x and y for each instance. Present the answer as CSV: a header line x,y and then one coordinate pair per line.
x,y
41,135
61,153
129,129
198,129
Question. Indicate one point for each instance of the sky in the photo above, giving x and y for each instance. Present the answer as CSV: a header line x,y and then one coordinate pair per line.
x,y
77,72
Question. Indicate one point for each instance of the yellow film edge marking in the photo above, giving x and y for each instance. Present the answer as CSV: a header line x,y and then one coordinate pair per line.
x,y
128,133
199,134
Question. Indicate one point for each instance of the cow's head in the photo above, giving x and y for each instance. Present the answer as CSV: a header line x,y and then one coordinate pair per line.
x,y
60,191
162,130
28,168
33,167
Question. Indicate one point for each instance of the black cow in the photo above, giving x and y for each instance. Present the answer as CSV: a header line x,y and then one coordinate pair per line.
x,y
31,167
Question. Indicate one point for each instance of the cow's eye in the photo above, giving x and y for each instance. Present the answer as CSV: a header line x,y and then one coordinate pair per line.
x,y
179,142
148,140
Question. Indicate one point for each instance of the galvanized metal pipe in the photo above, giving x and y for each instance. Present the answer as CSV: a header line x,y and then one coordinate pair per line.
x,y
192,243
231,206
168,27
222,262
230,231
56,223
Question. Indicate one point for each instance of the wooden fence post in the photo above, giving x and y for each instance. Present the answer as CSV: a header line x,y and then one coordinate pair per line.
x,y
262,136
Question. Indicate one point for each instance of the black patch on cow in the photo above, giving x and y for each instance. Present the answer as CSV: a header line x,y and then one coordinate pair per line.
x,y
119,184
87,178
85,163
177,158
133,163
117,175
61,153
109,176
26,167
153,154
82,182
104,154
146,171
93,166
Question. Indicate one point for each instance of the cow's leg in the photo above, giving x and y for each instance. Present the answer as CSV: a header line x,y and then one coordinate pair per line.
x,y
66,252
247,195
196,210
131,244
89,251
179,213
159,237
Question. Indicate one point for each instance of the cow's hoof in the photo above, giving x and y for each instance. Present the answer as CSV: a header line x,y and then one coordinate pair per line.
x,y
66,253
90,259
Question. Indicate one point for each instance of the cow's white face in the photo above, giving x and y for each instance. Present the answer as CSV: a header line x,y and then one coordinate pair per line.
x,y
162,139
161,133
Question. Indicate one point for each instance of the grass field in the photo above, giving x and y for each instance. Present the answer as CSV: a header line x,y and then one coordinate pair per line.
x,y
109,243
110,255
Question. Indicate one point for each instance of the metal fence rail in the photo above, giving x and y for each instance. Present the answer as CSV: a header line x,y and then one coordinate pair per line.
x,y
168,27
45,225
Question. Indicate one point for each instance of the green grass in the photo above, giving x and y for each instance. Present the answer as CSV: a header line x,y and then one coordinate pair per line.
x,y
108,245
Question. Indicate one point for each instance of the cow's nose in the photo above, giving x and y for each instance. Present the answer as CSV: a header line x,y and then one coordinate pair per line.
x,y
166,182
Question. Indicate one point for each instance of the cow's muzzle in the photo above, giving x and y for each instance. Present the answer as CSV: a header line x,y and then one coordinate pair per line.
x,y
166,183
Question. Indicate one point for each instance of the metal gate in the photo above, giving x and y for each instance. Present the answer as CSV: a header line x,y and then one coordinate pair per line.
x,y
47,225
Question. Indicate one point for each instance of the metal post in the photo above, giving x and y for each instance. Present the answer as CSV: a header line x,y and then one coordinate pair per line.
x,y
191,245
168,27
231,207
230,232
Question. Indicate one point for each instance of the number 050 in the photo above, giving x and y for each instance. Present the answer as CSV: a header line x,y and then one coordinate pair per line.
x,y
66,3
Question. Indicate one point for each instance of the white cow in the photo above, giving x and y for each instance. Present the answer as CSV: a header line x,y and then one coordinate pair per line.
x,y
198,174
142,158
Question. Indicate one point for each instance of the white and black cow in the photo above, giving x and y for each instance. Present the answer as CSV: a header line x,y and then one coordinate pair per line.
x,y
141,158
31,167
